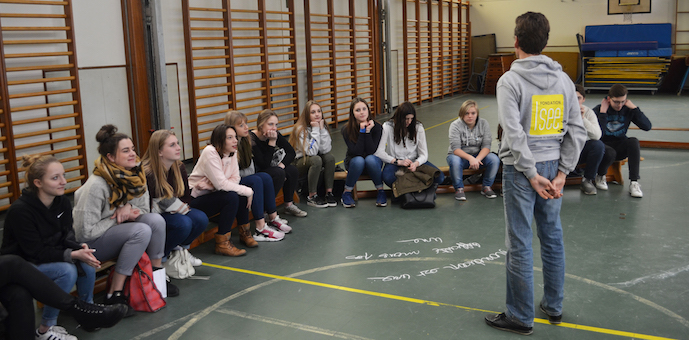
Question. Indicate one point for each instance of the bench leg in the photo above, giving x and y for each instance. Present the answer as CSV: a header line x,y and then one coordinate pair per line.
x,y
615,171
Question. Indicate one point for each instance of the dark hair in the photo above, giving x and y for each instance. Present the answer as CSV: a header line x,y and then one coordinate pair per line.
x,y
109,138
398,121
35,168
532,32
218,138
580,89
617,90
352,129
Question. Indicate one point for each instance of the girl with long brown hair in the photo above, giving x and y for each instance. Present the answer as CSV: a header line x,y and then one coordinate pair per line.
x,y
362,135
405,139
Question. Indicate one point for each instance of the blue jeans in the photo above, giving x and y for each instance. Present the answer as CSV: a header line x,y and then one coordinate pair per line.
x,y
390,169
223,202
64,274
182,230
592,155
263,200
457,165
371,165
522,204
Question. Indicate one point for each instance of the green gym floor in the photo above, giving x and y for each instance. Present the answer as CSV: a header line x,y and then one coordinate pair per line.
x,y
388,273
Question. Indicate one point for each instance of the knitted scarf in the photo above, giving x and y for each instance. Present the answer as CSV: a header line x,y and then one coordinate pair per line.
x,y
125,184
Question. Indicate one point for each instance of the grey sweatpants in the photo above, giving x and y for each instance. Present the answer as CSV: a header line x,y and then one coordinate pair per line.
x,y
128,241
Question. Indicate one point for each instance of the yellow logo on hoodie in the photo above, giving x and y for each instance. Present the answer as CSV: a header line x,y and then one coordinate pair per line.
x,y
547,112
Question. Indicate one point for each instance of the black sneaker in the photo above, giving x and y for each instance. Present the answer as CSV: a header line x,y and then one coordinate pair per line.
x,y
316,201
330,199
555,320
499,321
119,298
94,316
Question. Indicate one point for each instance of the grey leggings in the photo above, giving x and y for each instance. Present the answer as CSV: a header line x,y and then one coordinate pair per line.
x,y
128,241
312,166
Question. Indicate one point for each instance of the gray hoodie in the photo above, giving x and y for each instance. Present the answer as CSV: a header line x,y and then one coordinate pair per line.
x,y
471,141
539,113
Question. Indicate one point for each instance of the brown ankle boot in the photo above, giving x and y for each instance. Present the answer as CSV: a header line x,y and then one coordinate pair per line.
x,y
245,235
224,246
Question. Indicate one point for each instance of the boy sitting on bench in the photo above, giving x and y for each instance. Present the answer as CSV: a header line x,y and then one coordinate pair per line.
x,y
615,113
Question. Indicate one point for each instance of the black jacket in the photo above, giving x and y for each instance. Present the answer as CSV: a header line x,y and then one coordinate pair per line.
x,y
37,233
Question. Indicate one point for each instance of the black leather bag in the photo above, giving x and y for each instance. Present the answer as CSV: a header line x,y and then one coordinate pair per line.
x,y
420,200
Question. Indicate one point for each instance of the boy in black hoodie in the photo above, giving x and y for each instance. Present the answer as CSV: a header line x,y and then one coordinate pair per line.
x,y
615,113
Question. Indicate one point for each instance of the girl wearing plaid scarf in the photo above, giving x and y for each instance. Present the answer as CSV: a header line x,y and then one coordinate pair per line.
x,y
112,212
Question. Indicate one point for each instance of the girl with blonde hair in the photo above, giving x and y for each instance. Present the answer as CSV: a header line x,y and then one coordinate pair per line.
x,y
38,228
261,182
168,187
311,140
273,154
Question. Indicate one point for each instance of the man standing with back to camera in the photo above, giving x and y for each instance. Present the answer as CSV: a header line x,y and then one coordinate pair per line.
x,y
543,136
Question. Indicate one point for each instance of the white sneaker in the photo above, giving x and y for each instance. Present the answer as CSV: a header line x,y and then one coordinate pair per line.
x,y
293,210
195,261
268,234
280,226
280,219
55,333
635,189
601,182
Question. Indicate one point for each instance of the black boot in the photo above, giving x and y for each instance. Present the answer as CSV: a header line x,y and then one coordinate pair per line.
x,y
93,316
118,297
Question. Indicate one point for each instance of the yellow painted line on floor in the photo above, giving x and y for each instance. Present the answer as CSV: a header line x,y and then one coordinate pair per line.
x,y
432,303
428,128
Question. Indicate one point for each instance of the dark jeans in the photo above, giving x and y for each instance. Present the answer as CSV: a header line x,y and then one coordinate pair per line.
x,y
285,179
626,148
223,202
357,166
182,230
592,155
20,283
263,200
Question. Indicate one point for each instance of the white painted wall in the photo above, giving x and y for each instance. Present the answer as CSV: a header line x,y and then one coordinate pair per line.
x,y
567,18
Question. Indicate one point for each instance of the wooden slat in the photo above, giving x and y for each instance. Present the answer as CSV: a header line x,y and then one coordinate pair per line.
x,y
45,132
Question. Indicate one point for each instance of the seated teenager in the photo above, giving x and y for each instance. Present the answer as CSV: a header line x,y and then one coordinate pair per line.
x,y
593,151
38,227
615,113
21,283
216,189
112,213
273,155
405,139
362,135
168,187
312,143
470,141
262,184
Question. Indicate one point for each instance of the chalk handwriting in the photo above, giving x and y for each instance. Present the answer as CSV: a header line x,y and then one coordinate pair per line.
x,y
457,246
482,261
366,256
400,254
428,272
423,240
391,278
